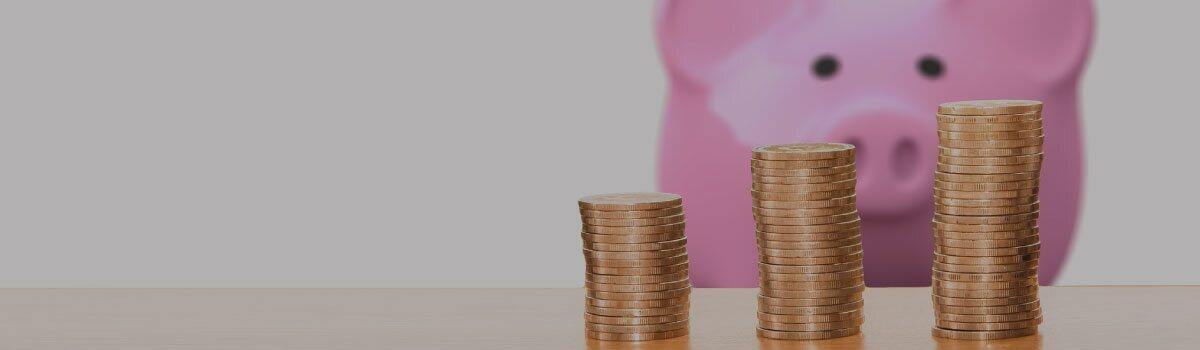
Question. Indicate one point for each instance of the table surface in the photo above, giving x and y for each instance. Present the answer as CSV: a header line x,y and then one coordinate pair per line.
x,y
295,319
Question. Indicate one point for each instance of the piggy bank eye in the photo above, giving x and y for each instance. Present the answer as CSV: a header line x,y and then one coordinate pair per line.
x,y
825,67
931,67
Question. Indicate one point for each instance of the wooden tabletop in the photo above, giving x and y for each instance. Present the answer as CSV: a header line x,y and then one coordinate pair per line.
x,y
297,319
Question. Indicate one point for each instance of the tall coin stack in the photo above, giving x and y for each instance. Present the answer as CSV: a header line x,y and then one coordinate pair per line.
x,y
985,227
810,251
637,266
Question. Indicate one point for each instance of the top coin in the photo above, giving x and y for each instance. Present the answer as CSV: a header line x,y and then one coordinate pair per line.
x,y
630,201
804,151
989,107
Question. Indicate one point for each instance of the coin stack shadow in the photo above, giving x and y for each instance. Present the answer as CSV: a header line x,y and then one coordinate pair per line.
x,y
810,251
637,266
985,230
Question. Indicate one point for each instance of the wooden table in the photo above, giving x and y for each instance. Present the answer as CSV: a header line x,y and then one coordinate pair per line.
x,y
296,319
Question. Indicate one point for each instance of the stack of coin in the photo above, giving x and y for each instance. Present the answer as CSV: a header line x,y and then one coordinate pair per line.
x,y
810,251
637,266
985,227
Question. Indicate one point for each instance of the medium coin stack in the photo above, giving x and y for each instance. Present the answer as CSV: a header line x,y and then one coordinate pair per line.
x,y
809,247
637,266
985,229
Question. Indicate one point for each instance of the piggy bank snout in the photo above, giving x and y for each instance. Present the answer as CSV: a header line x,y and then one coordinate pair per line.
x,y
895,157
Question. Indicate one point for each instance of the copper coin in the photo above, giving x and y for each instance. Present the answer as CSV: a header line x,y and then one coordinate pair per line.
x,y
666,294
988,310
630,201
823,203
810,327
1017,316
638,271
632,321
802,172
1021,250
807,221
949,177
985,220
636,288
986,211
824,260
983,335
985,186
784,335
810,253
984,260
643,328
828,186
986,235
992,144
984,293
631,214
989,202
845,299
635,247
809,277
990,135
678,259
986,243
857,239
987,108
977,119
800,164
812,294
800,196
657,254
991,268
769,268
987,152
989,169
796,180
636,336
984,277
991,161
808,237
1028,192
1013,300
632,304
840,316
635,230
987,285
825,228
804,151
802,213
637,312
810,310
674,219
989,127
612,279
983,228
988,326
632,239
837,284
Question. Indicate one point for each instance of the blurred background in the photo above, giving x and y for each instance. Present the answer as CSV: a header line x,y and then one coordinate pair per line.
x,y
440,144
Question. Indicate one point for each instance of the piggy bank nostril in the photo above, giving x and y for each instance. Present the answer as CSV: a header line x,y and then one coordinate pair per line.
x,y
904,158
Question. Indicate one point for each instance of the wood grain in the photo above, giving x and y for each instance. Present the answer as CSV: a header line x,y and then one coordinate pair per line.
x,y
297,319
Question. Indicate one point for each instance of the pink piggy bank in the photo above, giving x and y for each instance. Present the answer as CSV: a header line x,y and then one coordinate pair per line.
x,y
871,73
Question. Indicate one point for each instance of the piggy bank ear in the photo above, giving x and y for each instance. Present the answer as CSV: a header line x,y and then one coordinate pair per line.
x,y
1049,38
696,36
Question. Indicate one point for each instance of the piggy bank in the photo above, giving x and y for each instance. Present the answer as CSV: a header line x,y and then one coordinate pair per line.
x,y
870,73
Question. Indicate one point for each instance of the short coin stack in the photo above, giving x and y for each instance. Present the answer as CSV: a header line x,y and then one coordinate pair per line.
x,y
637,266
985,228
810,251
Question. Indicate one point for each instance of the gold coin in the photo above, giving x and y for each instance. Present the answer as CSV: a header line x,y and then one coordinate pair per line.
x,y
812,294
984,260
1028,192
814,204
671,260
988,310
994,268
631,304
636,288
632,239
810,310
643,328
986,243
802,172
986,220
769,268
636,336
638,271
984,293
983,228
1016,316
635,230
675,219
804,151
834,317
989,127
657,254
796,180
825,228
958,231
784,335
857,239
991,161
800,196
803,213
1025,249
988,326
810,327
800,164
987,108
630,201
824,260
985,236
845,299
810,253
635,247
806,221
666,294
989,202
631,214
809,277
1004,118
989,169
808,237
801,188
949,177
990,135
986,211
787,285
633,321
983,335
985,186
1032,281
1013,300
987,152
990,144
637,312
984,277
647,279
